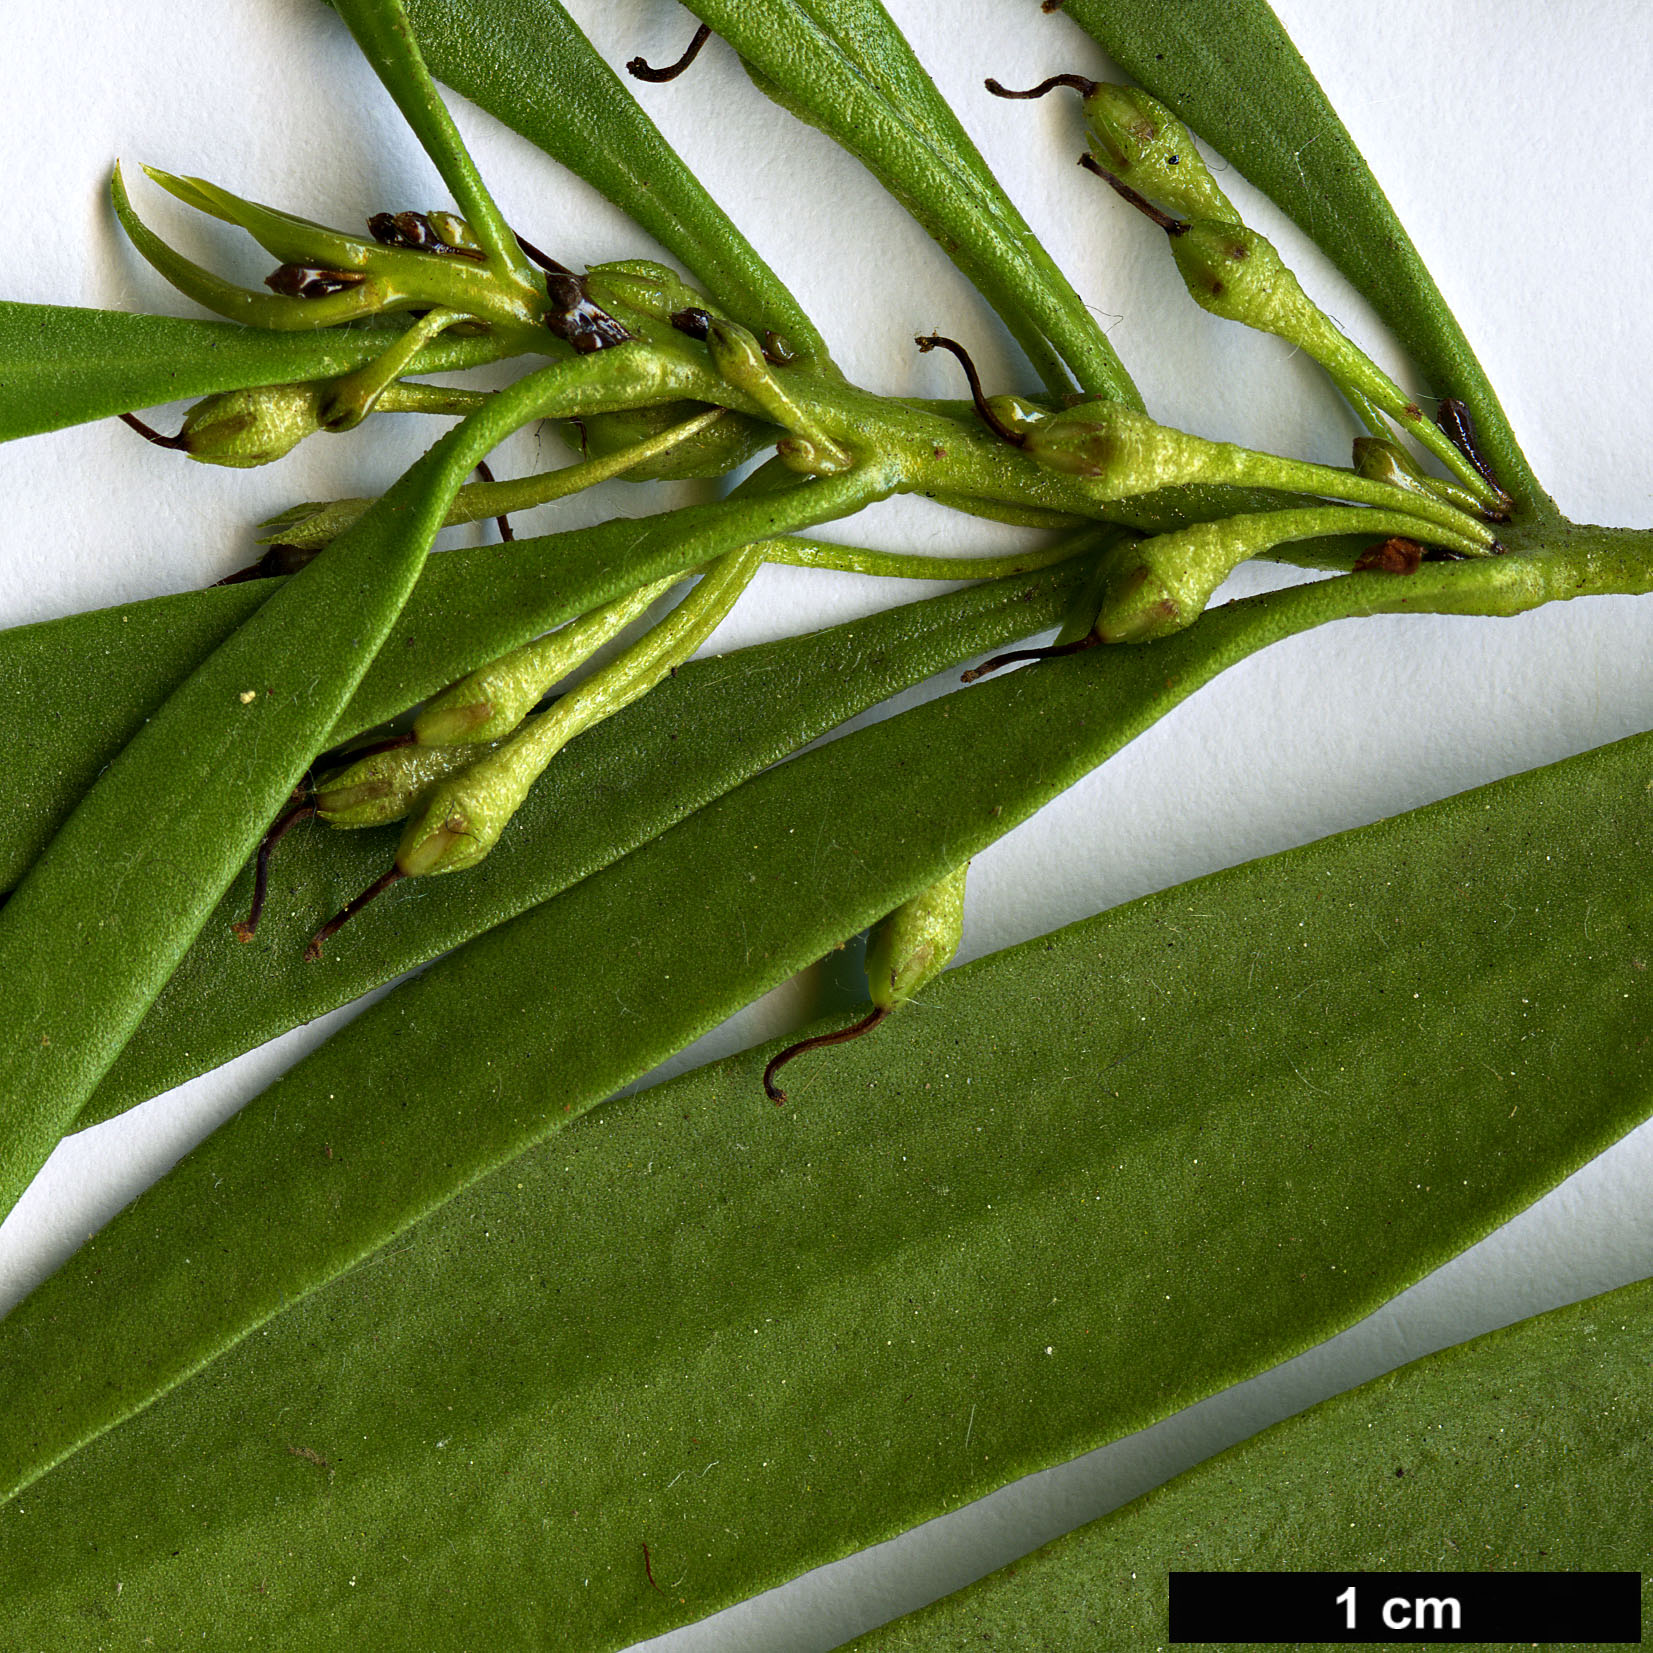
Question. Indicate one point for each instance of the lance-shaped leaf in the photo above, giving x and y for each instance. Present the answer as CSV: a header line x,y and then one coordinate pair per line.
x,y
492,1049
528,64
1529,1448
91,934
715,724
1073,1188
62,366
385,35
1232,73
844,66
74,691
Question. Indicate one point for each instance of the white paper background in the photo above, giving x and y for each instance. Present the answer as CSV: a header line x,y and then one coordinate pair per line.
x,y
1511,136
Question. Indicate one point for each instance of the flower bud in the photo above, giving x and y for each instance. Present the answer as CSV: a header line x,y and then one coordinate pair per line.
x,y
740,361
1139,140
386,785
1234,272
909,949
244,428
1124,452
645,288
1384,461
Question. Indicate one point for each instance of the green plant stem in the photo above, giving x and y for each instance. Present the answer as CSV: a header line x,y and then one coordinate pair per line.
x,y
313,526
798,552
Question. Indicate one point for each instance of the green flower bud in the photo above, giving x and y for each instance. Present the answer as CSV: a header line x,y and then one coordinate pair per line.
x,y
905,952
1124,452
644,288
454,231
1139,140
1384,461
244,428
910,948
740,361
1234,272
386,786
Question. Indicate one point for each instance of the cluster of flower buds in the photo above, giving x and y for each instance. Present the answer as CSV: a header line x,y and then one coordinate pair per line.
x,y
1148,156
427,265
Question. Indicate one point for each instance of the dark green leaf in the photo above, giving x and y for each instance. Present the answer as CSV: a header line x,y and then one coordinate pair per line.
x,y
61,366
104,915
1530,1449
1075,1187
1232,73
449,1077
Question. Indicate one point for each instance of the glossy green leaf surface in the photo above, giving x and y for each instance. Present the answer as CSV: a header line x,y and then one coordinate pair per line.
x,y
62,366
104,915
74,691
1232,73
845,67
452,1075
712,726
1529,1449
755,1338
528,64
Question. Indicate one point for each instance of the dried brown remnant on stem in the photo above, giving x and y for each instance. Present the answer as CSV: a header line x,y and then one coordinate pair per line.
x,y
1394,556
1079,644
301,811
1453,416
502,522
1078,83
545,261
927,342
307,281
1171,226
150,434
277,561
414,232
639,68
841,1037
338,921
574,317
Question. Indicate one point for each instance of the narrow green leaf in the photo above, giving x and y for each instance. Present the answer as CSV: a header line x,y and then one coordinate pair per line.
x,y
61,366
1232,73
528,64
1102,1134
91,934
451,1075
1529,1448
74,691
715,724
844,66
383,32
